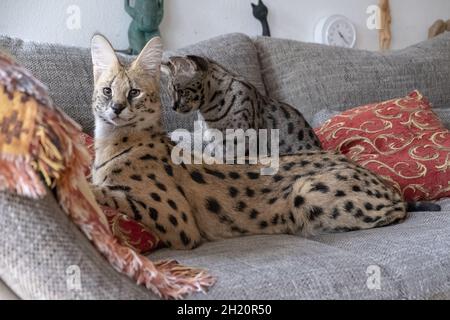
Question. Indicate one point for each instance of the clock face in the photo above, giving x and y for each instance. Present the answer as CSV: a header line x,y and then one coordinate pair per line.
x,y
336,31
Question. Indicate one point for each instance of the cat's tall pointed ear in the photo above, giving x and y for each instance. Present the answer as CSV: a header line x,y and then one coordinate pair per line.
x,y
149,60
103,56
253,5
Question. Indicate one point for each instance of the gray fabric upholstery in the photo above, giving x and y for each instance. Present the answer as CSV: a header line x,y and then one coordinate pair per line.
x,y
311,76
38,241
38,245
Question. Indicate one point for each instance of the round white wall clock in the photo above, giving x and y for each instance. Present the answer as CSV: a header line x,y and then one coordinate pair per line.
x,y
337,31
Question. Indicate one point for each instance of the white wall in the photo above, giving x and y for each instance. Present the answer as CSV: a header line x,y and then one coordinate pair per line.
x,y
188,21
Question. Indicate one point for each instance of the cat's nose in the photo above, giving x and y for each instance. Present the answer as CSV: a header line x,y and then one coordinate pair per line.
x,y
118,108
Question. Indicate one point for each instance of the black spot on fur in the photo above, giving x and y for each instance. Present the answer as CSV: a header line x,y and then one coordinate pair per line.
x,y
212,205
250,192
136,177
172,204
155,197
116,171
161,186
266,190
216,174
359,213
340,193
168,169
335,213
153,213
184,217
263,224
181,191
356,189
119,188
315,212
368,206
254,214
300,135
184,238
173,220
349,206
234,175
275,219
298,201
148,157
290,128
233,192
253,175
278,178
160,228
341,178
197,177
241,206
272,200
320,187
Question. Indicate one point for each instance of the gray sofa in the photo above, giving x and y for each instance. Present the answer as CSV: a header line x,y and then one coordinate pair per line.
x,y
406,261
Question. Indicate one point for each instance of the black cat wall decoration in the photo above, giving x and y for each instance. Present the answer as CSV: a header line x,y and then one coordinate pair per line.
x,y
260,11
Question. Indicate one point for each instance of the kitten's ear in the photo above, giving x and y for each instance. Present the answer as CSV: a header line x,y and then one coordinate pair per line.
x,y
150,58
200,63
103,55
253,5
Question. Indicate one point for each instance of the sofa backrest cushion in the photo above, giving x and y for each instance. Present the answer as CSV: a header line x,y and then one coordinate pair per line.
x,y
312,77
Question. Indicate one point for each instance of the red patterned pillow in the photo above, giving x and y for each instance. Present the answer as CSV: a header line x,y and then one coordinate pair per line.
x,y
402,140
129,232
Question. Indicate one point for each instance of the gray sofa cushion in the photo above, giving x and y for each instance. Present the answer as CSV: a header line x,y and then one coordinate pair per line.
x,y
39,243
412,257
312,77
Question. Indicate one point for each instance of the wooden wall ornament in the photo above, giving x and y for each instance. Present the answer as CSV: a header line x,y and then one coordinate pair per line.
x,y
440,26
385,35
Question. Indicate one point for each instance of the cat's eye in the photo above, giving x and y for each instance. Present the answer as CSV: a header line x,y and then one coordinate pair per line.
x,y
134,93
107,91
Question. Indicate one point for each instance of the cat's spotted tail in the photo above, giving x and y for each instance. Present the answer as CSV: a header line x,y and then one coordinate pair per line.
x,y
422,207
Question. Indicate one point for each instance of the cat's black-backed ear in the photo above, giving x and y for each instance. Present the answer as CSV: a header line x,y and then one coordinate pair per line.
x,y
149,60
201,63
103,55
253,5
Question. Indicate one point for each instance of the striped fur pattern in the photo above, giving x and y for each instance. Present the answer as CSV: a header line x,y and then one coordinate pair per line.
x,y
227,101
187,204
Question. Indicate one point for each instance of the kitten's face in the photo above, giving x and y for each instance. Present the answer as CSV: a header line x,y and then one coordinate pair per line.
x,y
125,96
186,77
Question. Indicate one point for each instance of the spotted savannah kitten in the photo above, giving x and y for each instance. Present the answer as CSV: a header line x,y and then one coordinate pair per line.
x,y
187,204
227,101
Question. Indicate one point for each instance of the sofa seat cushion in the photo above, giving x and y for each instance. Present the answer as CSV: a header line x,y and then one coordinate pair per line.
x,y
312,77
413,261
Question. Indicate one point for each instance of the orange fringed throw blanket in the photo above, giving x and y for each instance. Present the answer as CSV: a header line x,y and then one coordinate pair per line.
x,y
39,149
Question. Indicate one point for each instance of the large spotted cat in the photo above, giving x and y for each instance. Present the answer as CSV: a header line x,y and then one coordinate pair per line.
x,y
227,101
187,204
